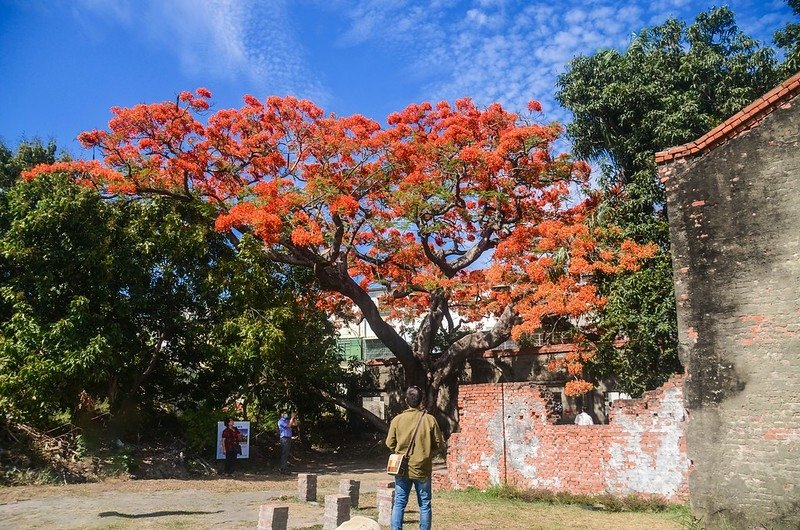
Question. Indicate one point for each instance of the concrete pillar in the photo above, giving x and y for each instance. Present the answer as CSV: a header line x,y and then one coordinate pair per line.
x,y
385,503
337,511
307,487
273,517
350,488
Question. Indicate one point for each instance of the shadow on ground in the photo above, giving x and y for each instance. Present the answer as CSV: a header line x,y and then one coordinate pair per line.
x,y
165,513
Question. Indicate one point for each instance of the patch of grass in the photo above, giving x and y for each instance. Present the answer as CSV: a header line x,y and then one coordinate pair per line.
x,y
490,510
605,502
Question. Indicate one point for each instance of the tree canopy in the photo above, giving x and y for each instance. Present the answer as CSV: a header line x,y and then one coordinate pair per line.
x,y
674,83
140,302
453,209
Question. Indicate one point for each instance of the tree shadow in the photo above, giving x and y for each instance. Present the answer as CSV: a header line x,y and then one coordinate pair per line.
x,y
165,513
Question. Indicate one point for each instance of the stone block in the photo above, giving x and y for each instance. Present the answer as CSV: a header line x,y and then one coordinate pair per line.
x,y
385,502
307,487
273,517
351,488
337,511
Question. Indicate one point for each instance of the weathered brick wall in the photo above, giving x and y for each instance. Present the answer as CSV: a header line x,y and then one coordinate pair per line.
x,y
529,364
734,216
506,436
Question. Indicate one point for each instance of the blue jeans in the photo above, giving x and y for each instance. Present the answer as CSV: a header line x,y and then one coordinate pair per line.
x,y
402,489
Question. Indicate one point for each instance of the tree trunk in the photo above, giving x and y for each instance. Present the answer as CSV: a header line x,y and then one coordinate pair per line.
x,y
374,420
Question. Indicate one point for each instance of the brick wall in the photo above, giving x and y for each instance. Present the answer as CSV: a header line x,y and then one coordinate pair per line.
x,y
734,215
386,378
507,436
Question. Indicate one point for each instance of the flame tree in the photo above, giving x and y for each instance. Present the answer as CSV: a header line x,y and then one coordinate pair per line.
x,y
453,209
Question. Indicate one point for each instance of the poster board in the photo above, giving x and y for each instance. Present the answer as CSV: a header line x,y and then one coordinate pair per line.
x,y
244,430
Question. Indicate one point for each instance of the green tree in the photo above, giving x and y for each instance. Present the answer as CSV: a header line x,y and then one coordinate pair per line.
x,y
142,303
28,155
673,84
788,39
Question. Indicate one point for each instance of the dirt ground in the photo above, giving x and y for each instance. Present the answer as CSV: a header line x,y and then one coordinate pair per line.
x,y
207,502
216,502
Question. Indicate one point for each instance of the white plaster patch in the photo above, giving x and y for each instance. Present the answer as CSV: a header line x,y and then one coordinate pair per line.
x,y
662,473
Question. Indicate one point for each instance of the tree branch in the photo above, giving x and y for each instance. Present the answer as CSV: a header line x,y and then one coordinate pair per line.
x,y
374,420
336,278
479,341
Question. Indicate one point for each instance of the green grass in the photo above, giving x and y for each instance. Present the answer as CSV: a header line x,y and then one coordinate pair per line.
x,y
603,503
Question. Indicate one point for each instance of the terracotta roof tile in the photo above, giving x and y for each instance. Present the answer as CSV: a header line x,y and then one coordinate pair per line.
x,y
745,119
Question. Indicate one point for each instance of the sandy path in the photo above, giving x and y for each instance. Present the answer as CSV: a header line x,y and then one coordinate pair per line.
x,y
170,503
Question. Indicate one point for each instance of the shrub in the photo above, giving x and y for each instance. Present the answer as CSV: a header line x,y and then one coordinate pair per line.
x,y
200,426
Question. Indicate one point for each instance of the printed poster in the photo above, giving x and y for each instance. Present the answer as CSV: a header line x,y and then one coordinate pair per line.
x,y
244,431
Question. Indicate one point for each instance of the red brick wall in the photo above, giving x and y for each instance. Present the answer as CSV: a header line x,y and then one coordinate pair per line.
x,y
506,436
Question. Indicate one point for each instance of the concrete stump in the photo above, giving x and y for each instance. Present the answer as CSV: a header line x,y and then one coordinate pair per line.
x,y
350,488
337,511
273,517
307,487
385,502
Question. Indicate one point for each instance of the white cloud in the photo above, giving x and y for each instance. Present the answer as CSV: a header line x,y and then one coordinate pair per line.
x,y
492,50
510,51
477,17
231,40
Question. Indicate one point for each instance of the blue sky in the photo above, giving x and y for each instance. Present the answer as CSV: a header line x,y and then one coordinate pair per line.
x,y
64,63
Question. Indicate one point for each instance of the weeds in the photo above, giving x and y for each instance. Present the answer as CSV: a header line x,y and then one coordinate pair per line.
x,y
29,477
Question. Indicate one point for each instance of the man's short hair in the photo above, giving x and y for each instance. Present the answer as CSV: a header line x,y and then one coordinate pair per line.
x,y
413,396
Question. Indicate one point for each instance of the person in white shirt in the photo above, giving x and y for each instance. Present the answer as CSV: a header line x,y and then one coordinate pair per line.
x,y
583,418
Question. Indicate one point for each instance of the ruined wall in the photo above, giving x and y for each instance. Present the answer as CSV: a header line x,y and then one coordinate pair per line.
x,y
386,383
506,436
734,216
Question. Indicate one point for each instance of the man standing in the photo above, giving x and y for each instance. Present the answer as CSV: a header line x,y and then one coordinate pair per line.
x,y
583,418
285,426
428,439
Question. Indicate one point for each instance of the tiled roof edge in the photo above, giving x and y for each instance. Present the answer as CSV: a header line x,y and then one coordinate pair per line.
x,y
743,120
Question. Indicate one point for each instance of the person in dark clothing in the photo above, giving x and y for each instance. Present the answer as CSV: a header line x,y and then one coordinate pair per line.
x,y
230,445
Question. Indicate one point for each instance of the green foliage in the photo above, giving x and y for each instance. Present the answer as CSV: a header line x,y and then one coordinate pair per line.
x,y
788,39
28,155
641,308
51,252
81,445
28,477
199,427
141,303
124,461
673,84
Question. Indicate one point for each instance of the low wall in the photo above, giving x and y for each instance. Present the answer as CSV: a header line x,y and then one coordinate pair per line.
x,y
507,436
